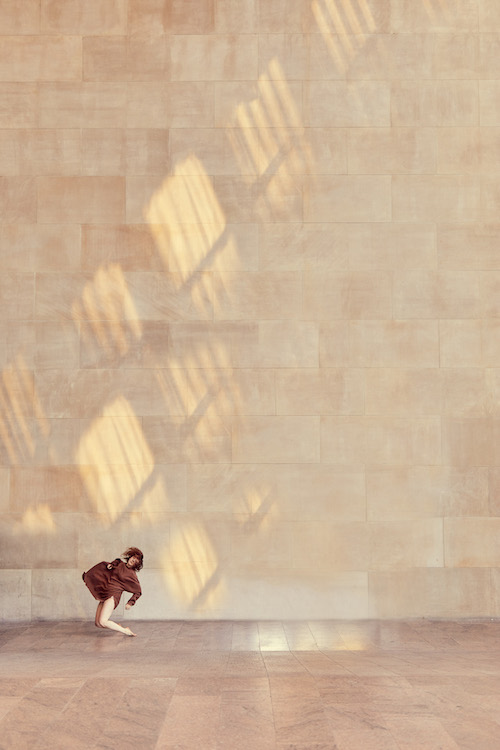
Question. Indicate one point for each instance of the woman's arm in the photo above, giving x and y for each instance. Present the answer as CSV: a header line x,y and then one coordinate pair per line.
x,y
133,599
135,589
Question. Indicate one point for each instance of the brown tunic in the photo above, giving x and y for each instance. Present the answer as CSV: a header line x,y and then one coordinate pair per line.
x,y
103,583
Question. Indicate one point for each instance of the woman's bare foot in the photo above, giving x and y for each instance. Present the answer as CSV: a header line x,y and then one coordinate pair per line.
x,y
129,632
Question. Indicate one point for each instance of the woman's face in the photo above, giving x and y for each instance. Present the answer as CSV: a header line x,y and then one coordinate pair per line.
x,y
132,561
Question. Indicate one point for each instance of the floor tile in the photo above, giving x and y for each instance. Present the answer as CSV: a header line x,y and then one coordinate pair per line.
x,y
408,685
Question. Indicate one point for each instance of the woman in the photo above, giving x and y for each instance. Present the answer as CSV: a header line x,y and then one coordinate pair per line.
x,y
107,581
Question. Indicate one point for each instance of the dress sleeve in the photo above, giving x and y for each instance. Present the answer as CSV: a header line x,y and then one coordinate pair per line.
x,y
135,588
134,598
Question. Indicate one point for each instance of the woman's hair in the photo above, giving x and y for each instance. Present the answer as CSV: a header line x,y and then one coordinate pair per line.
x,y
134,552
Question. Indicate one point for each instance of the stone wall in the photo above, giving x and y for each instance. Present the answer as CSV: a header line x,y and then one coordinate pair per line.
x,y
250,305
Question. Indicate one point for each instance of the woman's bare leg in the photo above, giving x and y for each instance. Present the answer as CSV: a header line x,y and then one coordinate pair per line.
x,y
104,615
98,615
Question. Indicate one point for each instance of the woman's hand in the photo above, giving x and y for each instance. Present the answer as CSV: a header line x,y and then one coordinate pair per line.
x,y
128,606
109,566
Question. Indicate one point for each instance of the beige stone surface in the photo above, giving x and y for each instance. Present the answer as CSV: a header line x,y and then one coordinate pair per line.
x,y
136,151
435,103
436,295
20,18
18,202
70,394
41,58
490,194
402,392
235,15
129,246
196,439
214,57
258,296
347,198
37,247
466,246
331,546
390,246
17,343
489,16
214,150
455,15
323,391
16,588
456,54
82,105
249,305
460,343
385,440
441,198
276,439
16,292
261,492
374,343
276,344
461,150
300,247
388,56
469,392
490,342
356,295
283,16
81,200
32,152
488,53
4,490
399,545
119,58
471,542
82,17
442,592
494,499
235,391
177,104
392,150
489,95
271,101
470,441
489,285
46,489
422,492
53,583
56,535
347,104
19,105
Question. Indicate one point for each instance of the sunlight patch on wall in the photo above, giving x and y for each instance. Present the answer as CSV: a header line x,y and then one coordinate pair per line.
x,y
186,219
259,511
37,521
114,460
191,568
21,416
344,27
107,311
269,132
211,392
433,7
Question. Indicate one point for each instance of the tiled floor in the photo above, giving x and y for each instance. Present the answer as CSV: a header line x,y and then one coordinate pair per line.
x,y
251,686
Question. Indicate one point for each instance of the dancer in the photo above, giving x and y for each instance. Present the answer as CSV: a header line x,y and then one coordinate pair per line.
x,y
107,581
